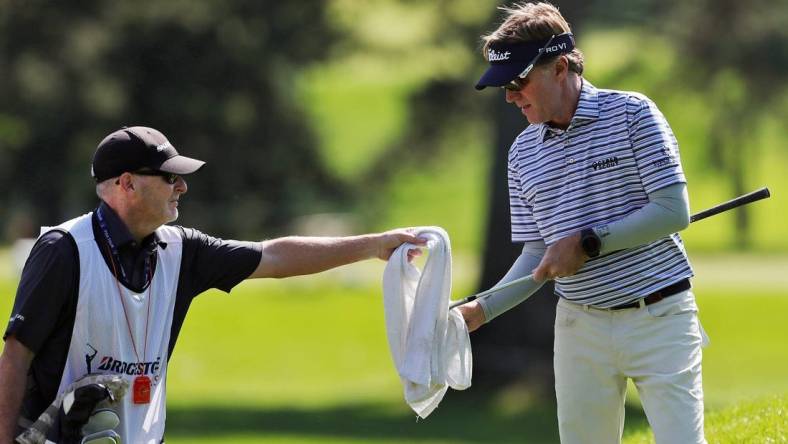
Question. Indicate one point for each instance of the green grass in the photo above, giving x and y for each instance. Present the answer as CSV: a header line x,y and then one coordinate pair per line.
x,y
305,360
764,421
317,370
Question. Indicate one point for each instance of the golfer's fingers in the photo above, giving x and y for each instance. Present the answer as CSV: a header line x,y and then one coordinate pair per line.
x,y
541,273
473,314
414,253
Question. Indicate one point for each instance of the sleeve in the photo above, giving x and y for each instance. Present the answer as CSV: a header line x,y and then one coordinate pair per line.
x,y
46,291
501,301
210,262
666,212
655,147
523,224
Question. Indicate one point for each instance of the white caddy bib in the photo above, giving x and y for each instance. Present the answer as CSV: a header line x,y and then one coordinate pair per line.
x,y
100,341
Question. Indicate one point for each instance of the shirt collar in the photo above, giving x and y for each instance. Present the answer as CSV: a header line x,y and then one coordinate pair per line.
x,y
588,104
120,233
587,109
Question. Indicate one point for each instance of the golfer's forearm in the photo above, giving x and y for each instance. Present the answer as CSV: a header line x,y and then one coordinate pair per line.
x,y
14,363
297,255
666,212
506,299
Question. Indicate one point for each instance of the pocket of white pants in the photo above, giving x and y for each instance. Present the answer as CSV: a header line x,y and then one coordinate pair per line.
x,y
564,316
676,305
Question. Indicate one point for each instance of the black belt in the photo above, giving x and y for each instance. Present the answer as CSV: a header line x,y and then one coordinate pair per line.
x,y
670,290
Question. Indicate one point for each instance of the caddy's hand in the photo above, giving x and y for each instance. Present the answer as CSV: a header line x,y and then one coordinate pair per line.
x,y
473,315
390,240
561,259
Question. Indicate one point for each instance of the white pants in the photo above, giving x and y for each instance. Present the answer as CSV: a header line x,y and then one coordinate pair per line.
x,y
658,346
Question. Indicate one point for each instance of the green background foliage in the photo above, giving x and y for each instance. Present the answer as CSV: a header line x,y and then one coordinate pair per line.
x,y
348,116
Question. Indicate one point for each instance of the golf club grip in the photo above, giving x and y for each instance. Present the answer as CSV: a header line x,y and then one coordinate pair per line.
x,y
462,301
763,193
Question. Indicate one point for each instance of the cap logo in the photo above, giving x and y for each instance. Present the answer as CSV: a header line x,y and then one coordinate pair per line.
x,y
554,48
163,146
495,56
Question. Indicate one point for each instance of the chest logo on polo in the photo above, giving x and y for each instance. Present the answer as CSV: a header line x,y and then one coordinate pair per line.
x,y
605,163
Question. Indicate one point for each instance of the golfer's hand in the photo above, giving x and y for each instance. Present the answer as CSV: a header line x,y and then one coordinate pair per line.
x,y
390,240
561,259
473,314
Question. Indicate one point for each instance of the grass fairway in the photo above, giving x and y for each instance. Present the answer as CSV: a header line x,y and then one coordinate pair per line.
x,y
306,360
312,365
762,421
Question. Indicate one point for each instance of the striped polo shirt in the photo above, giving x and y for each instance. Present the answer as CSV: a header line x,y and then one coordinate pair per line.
x,y
617,149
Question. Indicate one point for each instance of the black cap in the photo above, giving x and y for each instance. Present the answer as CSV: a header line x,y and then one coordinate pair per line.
x,y
137,147
510,60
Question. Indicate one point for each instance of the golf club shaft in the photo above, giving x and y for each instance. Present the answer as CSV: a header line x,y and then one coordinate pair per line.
x,y
763,193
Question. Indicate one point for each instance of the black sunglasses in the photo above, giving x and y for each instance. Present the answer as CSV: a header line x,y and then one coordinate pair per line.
x,y
170,178
516,84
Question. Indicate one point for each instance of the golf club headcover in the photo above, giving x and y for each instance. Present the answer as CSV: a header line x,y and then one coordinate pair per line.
x,y
84,408
77,408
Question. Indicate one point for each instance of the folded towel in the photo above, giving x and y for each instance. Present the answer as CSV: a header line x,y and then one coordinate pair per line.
x,y
429,344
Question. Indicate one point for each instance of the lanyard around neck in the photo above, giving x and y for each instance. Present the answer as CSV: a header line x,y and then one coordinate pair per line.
x,y
114,249
115,256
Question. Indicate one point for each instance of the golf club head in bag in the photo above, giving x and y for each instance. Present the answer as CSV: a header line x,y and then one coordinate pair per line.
x,y
100,428
102,437
81,413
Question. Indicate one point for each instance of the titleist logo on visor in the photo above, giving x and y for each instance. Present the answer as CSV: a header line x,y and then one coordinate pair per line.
x,y
495,56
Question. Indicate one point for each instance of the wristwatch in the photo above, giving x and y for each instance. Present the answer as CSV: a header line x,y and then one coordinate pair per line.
x,y
590,242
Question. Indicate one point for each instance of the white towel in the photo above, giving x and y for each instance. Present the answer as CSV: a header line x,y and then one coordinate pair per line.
x,y
429,344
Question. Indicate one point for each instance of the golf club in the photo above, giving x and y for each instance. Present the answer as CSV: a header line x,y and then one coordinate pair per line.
x,y
745,199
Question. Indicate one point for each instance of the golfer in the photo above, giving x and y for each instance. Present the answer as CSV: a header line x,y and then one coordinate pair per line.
x,y
108,292
597,195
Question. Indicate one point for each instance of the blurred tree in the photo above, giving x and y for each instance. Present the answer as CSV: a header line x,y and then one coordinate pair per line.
x,y
214,76
737,53
439,63
442,102
519,344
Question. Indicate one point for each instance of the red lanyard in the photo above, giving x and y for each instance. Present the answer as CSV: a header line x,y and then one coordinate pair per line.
x,y
125,314
141,388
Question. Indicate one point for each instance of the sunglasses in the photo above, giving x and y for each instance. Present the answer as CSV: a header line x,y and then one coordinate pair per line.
x,y
517,83
170,178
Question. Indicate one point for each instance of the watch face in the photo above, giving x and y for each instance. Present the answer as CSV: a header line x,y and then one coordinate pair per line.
x,y
590,243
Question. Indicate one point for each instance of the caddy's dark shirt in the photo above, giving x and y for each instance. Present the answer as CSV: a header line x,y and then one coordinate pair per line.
x,y
46,299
